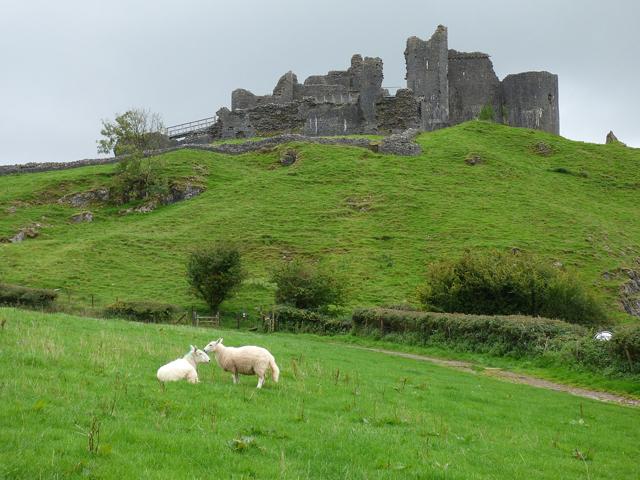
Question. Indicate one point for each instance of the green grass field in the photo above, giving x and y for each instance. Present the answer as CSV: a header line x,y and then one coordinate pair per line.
x,y
378,219
336,413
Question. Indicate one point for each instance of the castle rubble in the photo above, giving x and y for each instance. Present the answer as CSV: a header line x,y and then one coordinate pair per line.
x,y
444,87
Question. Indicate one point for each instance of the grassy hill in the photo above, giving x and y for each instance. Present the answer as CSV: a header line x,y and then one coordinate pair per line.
x,y
336,413
378,219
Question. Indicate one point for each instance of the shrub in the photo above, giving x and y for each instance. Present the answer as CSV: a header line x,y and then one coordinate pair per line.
x,y
497,334
591,353
214,272
304,285
136,178
487,113
298,320
625,345
508,284
17,295
144,311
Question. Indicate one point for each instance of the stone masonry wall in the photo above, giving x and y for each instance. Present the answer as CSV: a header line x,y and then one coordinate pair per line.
x,y
399,113
427,70
473,84
531,101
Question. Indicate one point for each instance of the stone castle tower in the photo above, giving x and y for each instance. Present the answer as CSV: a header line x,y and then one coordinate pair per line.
x,y
444,87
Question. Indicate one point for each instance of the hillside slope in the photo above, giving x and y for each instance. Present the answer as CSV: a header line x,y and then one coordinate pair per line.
x,y
379,219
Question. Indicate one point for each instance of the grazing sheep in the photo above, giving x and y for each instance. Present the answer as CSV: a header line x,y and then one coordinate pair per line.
x,y
248,360
183,368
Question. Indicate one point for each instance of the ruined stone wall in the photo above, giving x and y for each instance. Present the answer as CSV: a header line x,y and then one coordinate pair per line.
x,y
261,120
368,81
241,98
285,91
399,113
449,87
328,119
232,124
328,93
473,84
427,75
531,101
301,116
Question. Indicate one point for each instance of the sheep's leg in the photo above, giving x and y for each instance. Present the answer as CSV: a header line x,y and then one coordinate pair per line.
x,y
193,378
235,378
260,381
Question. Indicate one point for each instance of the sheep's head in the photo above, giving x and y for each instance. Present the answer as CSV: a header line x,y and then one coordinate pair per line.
x,y
213,345
199,356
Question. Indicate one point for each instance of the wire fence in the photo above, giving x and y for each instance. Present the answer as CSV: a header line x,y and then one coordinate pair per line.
x,y
197,315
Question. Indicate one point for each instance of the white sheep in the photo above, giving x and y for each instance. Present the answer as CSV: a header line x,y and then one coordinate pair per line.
x,y
248,360
183,368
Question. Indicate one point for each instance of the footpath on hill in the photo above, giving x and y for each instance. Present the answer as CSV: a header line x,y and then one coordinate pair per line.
x,y
510,376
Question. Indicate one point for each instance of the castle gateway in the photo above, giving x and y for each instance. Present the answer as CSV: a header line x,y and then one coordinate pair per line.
x,y
444,87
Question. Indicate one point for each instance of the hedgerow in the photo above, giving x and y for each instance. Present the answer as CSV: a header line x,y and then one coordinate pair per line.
x,y
517,335
17,295
144,311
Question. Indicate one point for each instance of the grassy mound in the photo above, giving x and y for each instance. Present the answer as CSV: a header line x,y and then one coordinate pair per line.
x,y
80,399
377,219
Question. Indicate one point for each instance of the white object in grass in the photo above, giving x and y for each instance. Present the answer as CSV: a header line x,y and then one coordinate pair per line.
x,y
604,336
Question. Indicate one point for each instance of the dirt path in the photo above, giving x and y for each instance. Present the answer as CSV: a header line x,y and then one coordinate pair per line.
x,y
512,377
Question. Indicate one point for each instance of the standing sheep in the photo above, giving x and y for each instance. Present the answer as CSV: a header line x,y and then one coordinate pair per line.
x,y
248,360
183,368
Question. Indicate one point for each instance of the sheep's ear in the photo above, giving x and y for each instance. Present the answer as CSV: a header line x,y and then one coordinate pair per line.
x,y
219,340
193,349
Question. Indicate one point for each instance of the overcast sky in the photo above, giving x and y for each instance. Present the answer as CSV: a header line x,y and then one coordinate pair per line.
x,y
65,65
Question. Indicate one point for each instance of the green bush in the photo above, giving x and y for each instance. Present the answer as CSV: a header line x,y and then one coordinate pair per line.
x,y
304,285
625,345
517,335
17,295
497,283
214,272
298,320
144,311
591,353
137,178
487,114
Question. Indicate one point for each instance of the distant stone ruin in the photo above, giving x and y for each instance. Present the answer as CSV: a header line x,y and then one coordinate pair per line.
x,y
444,87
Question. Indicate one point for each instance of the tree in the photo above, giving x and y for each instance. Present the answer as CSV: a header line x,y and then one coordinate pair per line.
x,y
133,132
304,285
214,272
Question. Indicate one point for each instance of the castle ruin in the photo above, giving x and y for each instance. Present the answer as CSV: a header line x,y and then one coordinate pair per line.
x,y
444,87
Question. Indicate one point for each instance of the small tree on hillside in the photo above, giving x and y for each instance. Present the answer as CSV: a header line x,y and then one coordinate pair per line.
x,y
304,285
214,272
132,132
137,178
